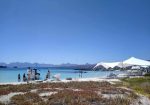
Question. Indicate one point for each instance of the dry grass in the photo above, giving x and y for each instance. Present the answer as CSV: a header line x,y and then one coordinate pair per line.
x,y
120,101
88,94
26,99
68,97
6,89
85,98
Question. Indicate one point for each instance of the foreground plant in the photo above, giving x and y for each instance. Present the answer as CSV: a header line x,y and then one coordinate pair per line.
x,y
72,93
139,85
26,99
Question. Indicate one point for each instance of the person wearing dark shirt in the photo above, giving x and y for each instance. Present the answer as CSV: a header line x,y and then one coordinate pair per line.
x,y
19,78
48,74
24,77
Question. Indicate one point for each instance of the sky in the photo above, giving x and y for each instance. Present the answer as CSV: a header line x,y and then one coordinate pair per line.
x,y
74,31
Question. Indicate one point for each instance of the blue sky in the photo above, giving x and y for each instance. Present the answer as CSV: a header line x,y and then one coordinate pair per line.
x,y
74,31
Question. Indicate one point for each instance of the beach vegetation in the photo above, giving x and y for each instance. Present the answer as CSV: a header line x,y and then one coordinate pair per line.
x,y
120,101
1,103
26,99
70,93
147,74
139,85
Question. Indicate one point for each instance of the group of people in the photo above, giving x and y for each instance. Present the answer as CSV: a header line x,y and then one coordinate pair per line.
x,y
32,74
24,78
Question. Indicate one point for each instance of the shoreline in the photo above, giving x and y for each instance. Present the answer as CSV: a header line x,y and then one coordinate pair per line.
x,y
64,81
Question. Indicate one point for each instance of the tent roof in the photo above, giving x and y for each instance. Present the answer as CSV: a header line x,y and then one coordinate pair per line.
x,y
136,61
129,62
107,64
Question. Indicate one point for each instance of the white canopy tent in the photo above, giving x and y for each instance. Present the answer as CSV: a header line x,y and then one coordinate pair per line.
x,y
129,62
107,64
135,62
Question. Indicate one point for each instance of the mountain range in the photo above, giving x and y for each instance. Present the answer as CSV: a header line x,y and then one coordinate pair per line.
x,y
65,65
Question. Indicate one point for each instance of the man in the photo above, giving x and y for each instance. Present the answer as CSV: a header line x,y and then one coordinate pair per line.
x,y
19,78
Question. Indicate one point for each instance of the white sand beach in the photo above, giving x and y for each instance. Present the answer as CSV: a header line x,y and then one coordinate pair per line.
x,y
64,81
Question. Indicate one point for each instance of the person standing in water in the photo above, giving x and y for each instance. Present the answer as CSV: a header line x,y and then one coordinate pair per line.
x,y
46,77
24,77
48,74
29,73
19,78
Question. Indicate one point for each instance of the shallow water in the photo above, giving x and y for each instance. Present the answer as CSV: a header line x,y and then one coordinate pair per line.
x,y
11,74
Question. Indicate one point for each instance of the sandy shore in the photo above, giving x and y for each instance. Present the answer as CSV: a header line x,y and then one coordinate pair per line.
x,y
76,79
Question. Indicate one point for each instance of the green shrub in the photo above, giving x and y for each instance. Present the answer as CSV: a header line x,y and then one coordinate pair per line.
x,y
140,85
147,74
1,103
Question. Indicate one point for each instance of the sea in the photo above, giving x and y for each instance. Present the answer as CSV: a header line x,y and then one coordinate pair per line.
x,y
11,74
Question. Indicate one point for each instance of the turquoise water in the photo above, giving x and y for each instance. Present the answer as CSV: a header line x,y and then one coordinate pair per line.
x,y
11,74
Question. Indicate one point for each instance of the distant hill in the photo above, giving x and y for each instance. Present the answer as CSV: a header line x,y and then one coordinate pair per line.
x,y
26,64
3,64
65,65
